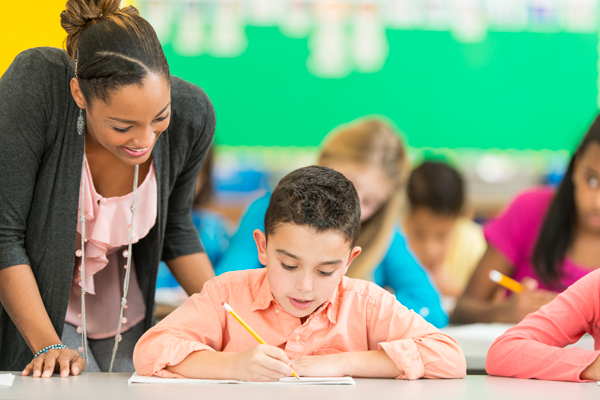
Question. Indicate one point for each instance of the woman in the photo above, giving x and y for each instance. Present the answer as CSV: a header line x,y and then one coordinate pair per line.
x,y
371,155
86,127
547,240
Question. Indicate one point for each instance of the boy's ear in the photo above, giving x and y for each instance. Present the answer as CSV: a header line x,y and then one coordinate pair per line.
x,y
353,253
261,246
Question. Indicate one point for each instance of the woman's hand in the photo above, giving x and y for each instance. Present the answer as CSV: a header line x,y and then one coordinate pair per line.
x,y
67,361
262,363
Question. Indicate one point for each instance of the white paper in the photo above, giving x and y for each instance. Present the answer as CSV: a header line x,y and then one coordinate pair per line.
x,y
6,380
346,380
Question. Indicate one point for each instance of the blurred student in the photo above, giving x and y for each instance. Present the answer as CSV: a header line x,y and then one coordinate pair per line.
x,y
547,240
447,243
315,320
535,348
213,229
370,153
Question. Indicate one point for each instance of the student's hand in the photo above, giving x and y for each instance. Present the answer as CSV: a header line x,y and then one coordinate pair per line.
x,y
592,371
528,301
326,365
262,363
67,361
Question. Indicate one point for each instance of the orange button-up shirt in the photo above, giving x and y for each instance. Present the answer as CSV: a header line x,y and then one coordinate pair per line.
x,y
359,316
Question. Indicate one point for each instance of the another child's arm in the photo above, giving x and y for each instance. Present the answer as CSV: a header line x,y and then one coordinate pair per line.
x,y
478,304
412,286
535,347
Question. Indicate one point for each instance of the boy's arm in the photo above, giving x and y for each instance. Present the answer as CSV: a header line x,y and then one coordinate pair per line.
x,y
417,348
197,325
262,363
363,364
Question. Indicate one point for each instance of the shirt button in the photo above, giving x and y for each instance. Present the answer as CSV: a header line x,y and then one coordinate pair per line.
x,y
103,201
276,311
297,338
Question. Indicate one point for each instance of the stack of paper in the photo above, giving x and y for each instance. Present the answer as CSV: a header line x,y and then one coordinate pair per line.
x,y
346,380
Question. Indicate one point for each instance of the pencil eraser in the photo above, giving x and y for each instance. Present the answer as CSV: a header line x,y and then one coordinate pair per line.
x,y
227,307
495,276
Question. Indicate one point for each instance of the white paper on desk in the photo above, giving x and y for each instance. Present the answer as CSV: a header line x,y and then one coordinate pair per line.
x,y
346,380
6,380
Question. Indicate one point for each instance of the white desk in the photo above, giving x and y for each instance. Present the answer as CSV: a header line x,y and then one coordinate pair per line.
x,y
115,387
476,340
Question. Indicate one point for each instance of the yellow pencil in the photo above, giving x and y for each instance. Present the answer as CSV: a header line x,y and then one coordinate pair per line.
x,y
505,281
250,330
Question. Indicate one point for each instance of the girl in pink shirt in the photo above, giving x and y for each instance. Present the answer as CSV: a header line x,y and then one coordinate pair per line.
x,y
535,348
544,239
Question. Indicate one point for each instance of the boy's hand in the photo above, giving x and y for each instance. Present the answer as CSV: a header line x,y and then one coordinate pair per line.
x,y
326,365
262,363
67,361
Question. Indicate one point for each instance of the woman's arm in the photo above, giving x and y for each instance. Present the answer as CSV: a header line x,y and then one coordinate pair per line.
x,y
535,348
478,303
192,271
21,299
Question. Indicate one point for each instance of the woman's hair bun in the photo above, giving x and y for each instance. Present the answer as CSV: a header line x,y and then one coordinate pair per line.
x,y
79,13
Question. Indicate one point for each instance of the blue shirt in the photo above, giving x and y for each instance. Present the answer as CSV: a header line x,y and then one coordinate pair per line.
x,y
398,271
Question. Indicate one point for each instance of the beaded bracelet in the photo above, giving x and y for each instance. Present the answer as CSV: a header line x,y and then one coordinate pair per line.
x,y
54,346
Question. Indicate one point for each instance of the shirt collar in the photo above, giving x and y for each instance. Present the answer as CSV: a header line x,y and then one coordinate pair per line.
x,y
265,298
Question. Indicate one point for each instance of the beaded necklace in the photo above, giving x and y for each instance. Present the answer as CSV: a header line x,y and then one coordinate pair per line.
x,y
80,130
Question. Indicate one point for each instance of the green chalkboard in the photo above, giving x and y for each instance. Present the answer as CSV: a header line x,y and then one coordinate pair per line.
x,y
522,90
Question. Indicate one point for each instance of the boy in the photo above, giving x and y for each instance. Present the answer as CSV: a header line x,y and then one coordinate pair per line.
x,y
448,244
316,321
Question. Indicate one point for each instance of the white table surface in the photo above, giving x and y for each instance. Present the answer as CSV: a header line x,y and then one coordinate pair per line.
x,y
114,386
476,340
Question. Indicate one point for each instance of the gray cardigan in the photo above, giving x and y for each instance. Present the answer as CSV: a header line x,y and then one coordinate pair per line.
x,y
40,170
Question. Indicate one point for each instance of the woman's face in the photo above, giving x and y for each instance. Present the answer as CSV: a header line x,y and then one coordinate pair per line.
x,y
131,121
374,187
586,179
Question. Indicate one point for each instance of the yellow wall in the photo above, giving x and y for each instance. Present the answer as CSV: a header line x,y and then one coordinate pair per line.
x,y
30,23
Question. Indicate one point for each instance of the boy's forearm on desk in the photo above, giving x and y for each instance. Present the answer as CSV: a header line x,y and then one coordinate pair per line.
x,y
368,364
206,364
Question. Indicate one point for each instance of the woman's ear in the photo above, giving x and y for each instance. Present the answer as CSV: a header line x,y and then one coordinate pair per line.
x,y
261,245
77,94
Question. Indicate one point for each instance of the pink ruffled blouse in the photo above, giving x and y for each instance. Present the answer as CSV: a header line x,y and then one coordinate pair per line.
x,y
107,222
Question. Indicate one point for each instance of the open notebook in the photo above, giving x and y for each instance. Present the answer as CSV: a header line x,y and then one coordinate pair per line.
x,y
346,380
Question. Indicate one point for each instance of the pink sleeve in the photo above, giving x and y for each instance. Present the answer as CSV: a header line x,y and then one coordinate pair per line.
x,y
418,349
535,347
197,325
514,230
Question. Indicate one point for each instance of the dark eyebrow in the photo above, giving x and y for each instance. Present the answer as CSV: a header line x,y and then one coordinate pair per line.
x,y
285,253
127,121
591,171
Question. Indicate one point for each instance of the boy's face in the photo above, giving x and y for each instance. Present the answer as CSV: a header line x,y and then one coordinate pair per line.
x,y
303,267
429,235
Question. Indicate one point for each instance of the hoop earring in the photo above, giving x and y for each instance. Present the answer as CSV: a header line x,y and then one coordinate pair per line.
x,y
80,123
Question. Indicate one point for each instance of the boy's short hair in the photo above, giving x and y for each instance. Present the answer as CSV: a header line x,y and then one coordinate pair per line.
x,y
316,196
436,186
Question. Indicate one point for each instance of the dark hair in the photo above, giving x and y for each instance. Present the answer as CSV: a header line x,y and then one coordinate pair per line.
x,y
436,186
318,197
112,47
558,229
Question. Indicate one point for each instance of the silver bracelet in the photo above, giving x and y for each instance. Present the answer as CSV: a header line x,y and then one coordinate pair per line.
x,y
53,346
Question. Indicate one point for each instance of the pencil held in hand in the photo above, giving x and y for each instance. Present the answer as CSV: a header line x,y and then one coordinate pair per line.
x,y
505,281
250,330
